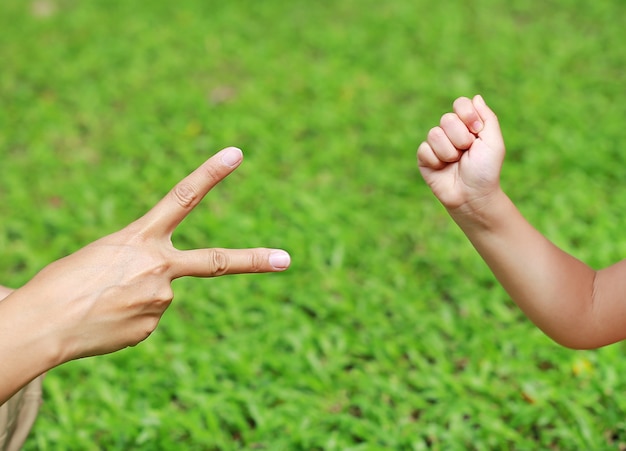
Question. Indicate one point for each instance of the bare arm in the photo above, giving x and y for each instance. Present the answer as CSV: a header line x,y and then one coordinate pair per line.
x,y
4,292
575,305
112,293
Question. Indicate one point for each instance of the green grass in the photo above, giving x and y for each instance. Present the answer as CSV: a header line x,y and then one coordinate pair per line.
x,y
388,332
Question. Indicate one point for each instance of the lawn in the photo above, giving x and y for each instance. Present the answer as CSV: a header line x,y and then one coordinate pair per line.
x,y
388,331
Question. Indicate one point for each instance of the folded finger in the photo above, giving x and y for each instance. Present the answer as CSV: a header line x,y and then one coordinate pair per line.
x,y
442,146
464,109
426,157
218,262
456,131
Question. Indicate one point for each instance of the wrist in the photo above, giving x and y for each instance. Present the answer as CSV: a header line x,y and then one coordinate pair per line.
x,y
29,334
483,212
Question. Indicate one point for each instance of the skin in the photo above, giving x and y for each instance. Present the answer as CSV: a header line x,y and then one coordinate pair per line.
x,y
572,303
4,292
111,294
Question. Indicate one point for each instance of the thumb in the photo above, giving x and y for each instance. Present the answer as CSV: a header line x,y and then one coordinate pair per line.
x,y
483,161
490,134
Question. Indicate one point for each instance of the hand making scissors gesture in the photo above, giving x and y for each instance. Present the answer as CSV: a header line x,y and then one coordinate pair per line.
x,y
111,293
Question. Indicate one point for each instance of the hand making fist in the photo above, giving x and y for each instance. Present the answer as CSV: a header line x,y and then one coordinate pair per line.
x,y
462,157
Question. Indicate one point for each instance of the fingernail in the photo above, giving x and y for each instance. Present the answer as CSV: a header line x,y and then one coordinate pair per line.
x,y
280,259
231,156
477,126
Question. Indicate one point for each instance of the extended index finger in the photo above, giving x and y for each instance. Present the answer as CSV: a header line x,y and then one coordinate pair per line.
x,y
165,216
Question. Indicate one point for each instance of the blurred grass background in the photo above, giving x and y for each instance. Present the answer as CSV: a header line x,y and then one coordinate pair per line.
x,y
388,332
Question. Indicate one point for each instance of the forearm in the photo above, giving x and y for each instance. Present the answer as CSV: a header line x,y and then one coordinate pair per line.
x,y
461,161
4,292
26,351
555,290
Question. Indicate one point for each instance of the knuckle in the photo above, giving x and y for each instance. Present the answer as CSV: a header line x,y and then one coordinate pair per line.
x,y
422,150
462,103
143,330
426,157
218,262
211,172
257,262
185,194
159,268
163,298
150,324
448,119
435,134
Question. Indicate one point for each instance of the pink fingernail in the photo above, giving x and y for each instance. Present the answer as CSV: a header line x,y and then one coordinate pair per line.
x,y
280,260
231,156
477,126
